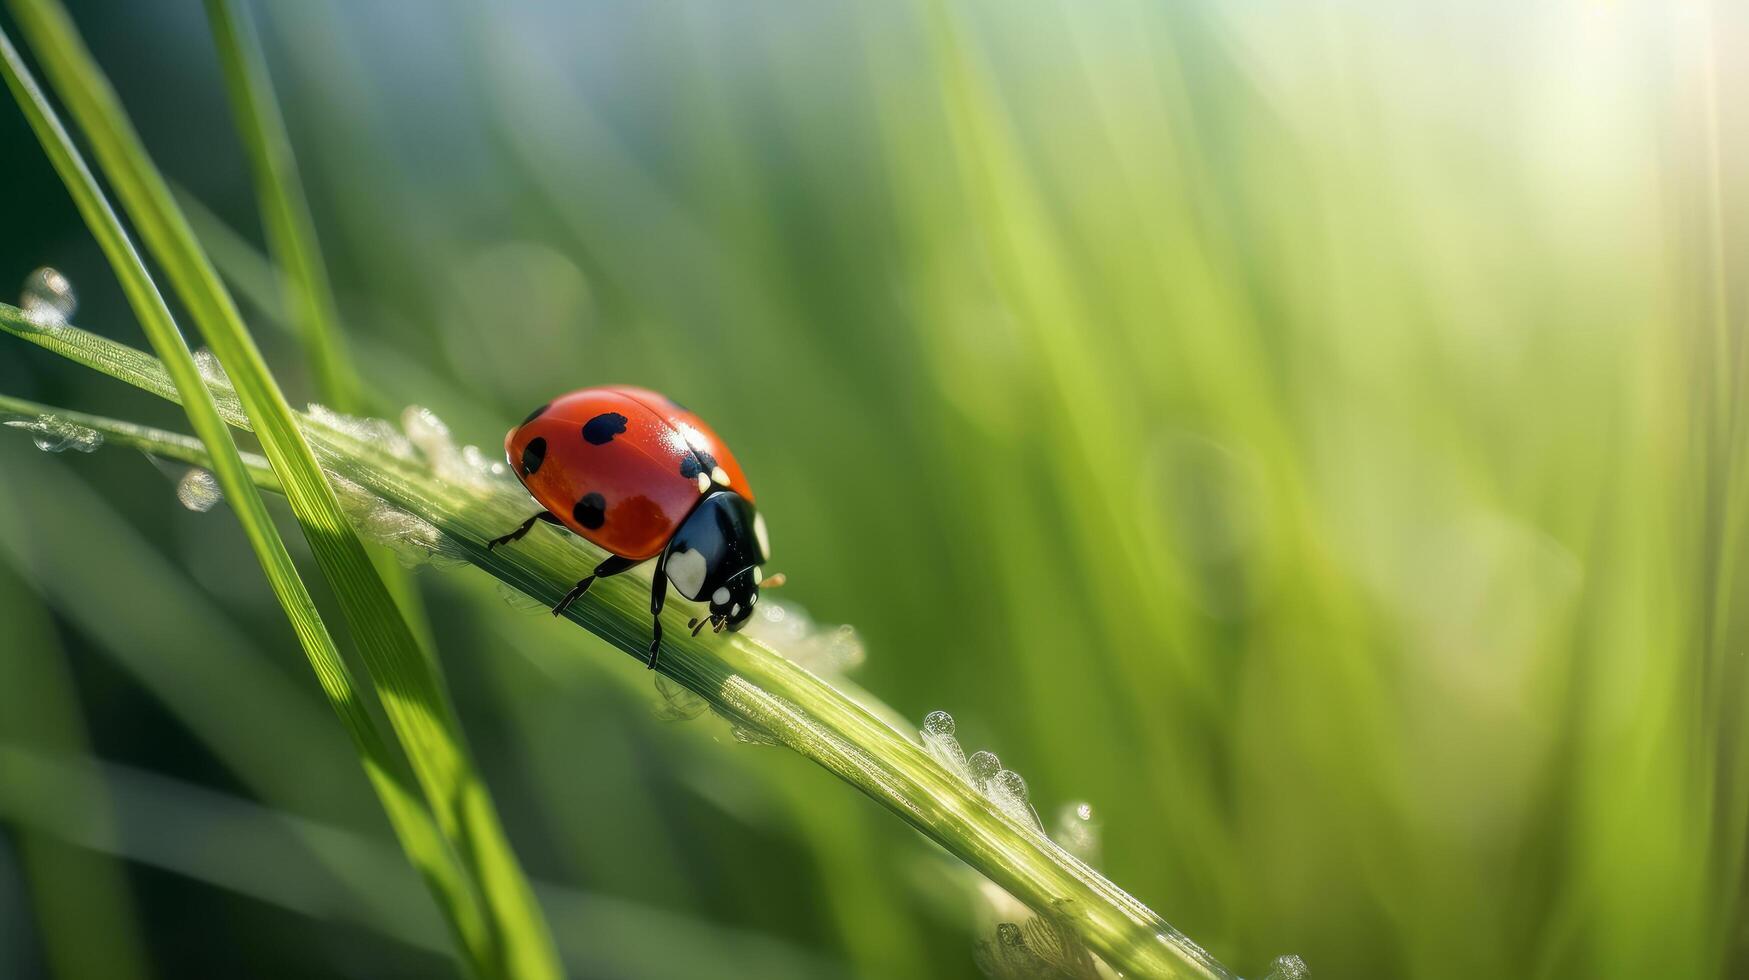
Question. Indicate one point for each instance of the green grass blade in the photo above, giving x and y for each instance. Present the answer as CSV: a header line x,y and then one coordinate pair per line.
x,y
405,675
307,295
742,678
179,373
291,234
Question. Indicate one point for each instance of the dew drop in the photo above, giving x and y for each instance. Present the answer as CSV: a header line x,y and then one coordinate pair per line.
x,y
198,490
938,740
1007,790
210,369
937,724
430,437
1077,831
1288,968
217,381
48,299
53,434
984,765
482,466
376,433
844,649
414,540
815,647
428,433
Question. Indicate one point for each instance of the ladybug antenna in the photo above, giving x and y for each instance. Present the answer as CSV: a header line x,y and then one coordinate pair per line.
x,y
774,580
718,624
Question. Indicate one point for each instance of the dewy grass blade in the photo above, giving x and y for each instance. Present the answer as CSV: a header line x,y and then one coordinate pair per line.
x,y
291,234
405,675
179,375
741,677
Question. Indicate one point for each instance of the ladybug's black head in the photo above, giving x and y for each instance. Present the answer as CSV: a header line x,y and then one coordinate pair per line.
x,y
714,557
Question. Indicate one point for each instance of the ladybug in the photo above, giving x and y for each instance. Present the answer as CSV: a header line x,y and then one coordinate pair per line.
x,y
640,477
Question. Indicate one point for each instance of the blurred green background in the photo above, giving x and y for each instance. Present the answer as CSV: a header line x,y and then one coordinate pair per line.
x,y
1312,434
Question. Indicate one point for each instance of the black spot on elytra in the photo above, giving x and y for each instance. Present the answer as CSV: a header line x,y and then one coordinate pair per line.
x,y
537,413
533,454
591,511
600,430
696,462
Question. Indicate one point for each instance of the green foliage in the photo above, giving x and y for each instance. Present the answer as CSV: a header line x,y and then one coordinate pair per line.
x,y
1312,435
743,679
511,940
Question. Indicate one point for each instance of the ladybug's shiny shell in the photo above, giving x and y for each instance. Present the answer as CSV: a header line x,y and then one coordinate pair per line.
x,y
620,466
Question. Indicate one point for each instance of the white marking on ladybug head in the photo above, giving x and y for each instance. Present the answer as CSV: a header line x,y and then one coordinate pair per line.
x,y
720,475
693,437
704,483
760,536
735,610
686,570
721,595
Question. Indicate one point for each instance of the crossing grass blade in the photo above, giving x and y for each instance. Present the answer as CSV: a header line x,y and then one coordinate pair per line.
x,y
291,234
429,852
307,295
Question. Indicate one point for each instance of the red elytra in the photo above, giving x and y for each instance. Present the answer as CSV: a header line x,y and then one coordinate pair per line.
x,y
621,466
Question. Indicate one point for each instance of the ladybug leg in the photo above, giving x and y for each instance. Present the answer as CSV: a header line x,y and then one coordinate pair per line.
x,y
611,565
658,595
522,529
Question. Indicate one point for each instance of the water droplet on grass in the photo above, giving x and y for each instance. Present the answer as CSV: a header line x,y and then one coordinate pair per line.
x,y
1008,791
48,299
483,466
53,434
207,363
939,741
376,433
415,541
983,765
1077,831
982,770
788,629
1288,968
217,381
198,490
430,437
428,433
